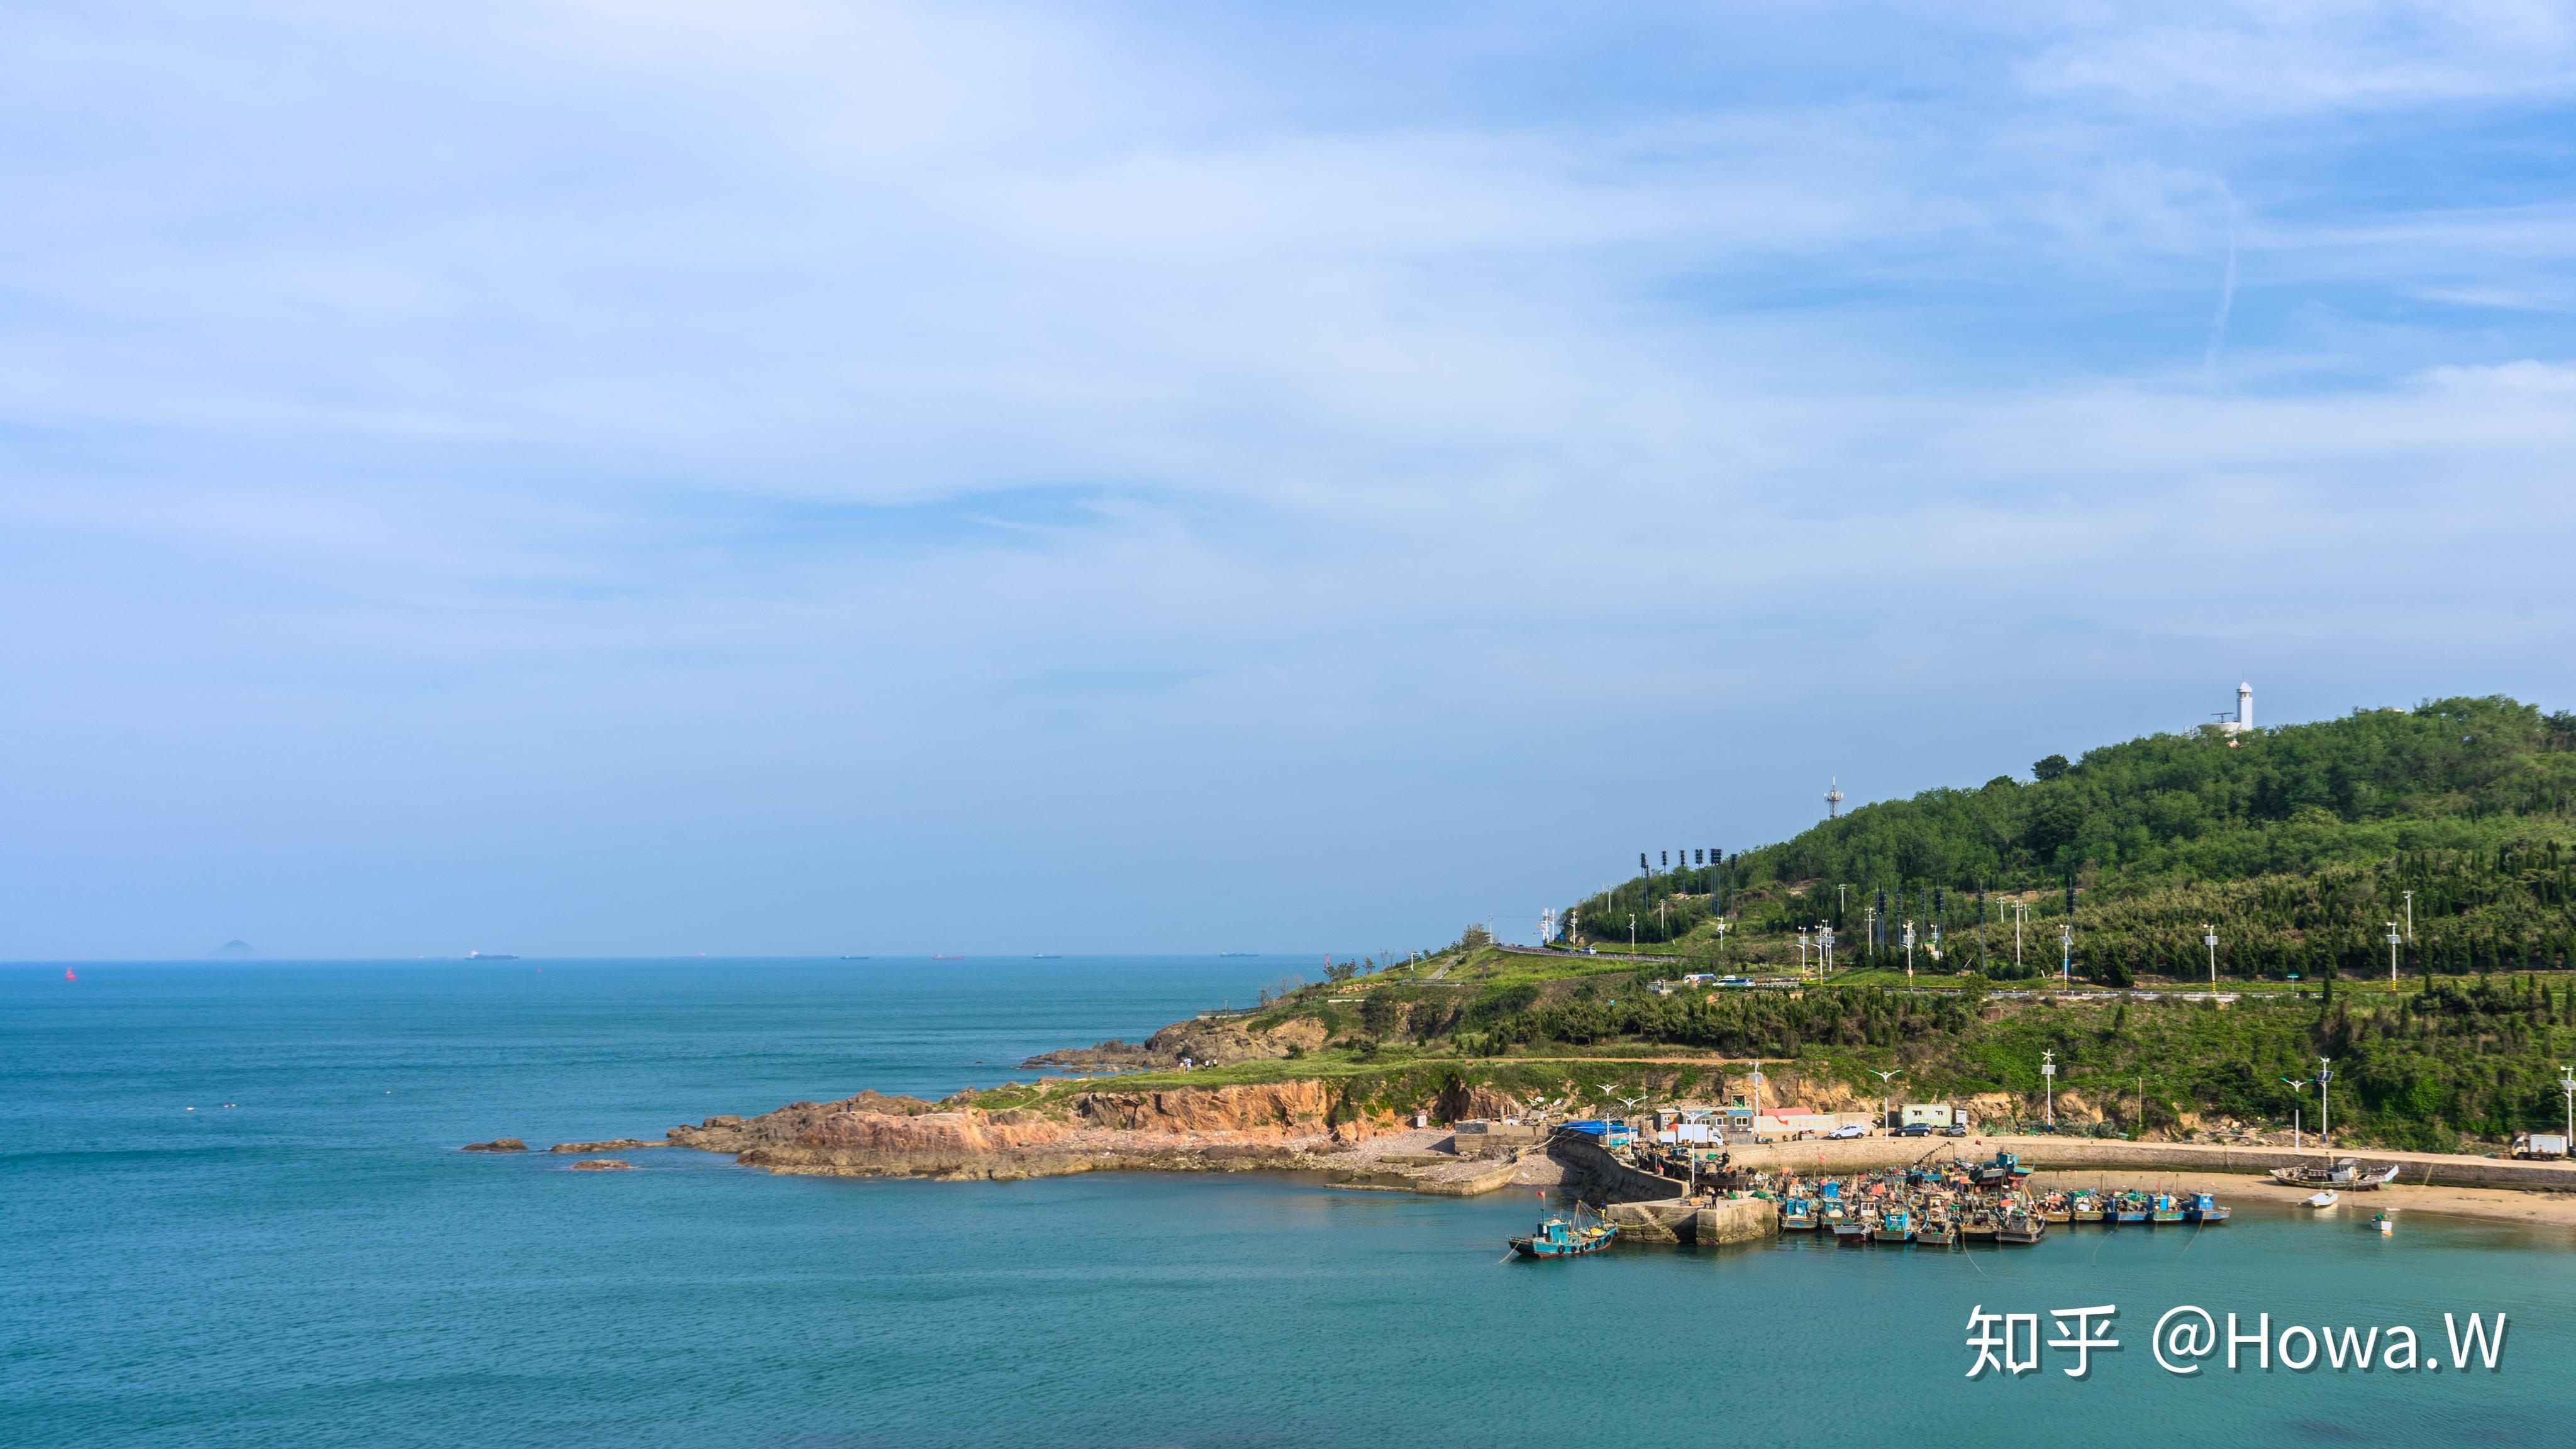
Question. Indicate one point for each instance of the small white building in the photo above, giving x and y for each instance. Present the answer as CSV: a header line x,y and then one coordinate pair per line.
x,y
2244,721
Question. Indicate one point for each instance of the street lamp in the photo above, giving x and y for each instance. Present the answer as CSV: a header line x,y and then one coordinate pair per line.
x,y
2209,938
2567,1083
1802,950
2325,1109
1909,950
2066,954
1825,948
2410,918
2392,955
1883,1099
2048,1076
2300,1086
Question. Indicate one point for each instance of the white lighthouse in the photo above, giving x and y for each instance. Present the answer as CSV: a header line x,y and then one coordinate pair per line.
x,y
2244,721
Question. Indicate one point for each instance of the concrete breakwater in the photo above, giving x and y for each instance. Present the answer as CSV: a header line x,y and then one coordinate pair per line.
x,y
1652,1209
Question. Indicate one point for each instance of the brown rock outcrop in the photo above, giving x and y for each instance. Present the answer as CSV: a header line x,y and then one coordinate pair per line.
x,y
622,1144
1279,1125
603,1164
498,1144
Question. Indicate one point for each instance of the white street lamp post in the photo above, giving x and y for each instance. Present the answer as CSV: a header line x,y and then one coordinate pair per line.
x,y
2048,1076
2300,1086
1909,950
2209,938
1802,951
1883,1108
2567,1083
2066,954
2392,955
2325,1109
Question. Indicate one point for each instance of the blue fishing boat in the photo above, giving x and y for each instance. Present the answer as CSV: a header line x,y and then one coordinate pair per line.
x,y
1564,1237
2200,1207
2165,1209
2131,1207
1797,1215
1895,1225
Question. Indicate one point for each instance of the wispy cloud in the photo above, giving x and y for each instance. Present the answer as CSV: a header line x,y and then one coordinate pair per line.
x,y
857,433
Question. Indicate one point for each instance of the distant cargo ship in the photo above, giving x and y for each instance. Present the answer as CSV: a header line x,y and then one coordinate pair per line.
x,y
489,956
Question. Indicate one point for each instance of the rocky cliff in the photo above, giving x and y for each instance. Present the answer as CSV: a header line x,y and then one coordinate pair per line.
x,y
1282,1125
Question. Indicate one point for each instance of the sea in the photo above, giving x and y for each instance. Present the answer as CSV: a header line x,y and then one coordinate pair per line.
x,y
233,1212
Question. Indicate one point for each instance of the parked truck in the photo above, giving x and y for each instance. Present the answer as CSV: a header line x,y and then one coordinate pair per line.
x,y
2539,1144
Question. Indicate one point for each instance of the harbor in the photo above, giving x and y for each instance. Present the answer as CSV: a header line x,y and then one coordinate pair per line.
x,y
1897,1192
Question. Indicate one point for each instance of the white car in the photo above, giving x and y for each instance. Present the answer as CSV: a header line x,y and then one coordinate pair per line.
x,y
1847,1132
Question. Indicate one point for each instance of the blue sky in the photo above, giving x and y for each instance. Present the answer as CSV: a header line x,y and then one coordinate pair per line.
x,y
781,478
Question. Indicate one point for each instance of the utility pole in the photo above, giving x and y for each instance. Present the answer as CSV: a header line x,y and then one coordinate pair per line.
x,y
2017,909
2048,1078
2209,938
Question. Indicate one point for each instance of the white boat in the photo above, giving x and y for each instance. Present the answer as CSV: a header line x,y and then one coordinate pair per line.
x,y
2324,1200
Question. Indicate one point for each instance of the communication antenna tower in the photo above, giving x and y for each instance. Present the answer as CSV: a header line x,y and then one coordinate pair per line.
x,y
1833,796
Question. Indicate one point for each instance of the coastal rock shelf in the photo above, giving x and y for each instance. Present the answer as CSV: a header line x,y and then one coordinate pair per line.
x,y
1295,1126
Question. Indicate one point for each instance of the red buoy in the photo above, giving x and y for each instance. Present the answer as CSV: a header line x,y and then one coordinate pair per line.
x,y
67,974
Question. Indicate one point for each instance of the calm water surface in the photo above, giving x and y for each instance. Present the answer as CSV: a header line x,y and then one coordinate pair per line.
x,y
318,1265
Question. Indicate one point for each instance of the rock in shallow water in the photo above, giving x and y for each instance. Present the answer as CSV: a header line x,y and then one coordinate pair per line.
x,y
498,1144
603,1164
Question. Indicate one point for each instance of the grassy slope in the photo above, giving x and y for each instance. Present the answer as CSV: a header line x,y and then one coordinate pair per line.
x,y
2295,844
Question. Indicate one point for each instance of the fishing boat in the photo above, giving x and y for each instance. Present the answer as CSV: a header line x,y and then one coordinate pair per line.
x,y
2131,1207
1855,1224
2164,1208
2346,1175
1842,1220
1896,1225
2325,1199
1559,1236
2003,1171
1938,1231
2085,1207
1798,1215
2020,1225
1978,1225
2202,1208
2056,1208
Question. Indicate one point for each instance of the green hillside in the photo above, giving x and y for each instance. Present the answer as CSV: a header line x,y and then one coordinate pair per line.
x,y
2295,845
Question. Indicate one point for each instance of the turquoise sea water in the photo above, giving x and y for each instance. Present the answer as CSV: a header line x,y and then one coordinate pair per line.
x,y
319,1265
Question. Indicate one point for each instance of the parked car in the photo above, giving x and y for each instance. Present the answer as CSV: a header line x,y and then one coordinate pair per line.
x,y
1915,1129
1846,1132
1955,1129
